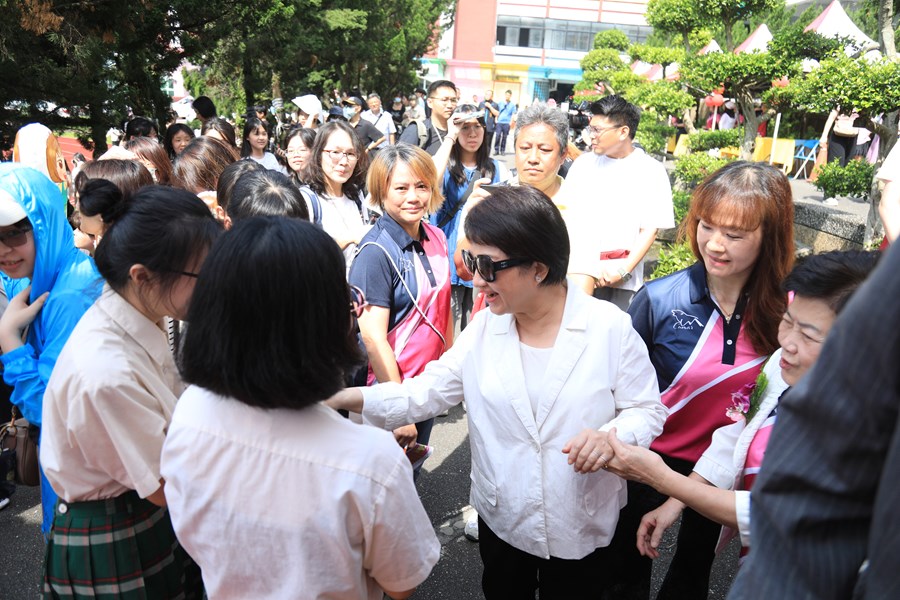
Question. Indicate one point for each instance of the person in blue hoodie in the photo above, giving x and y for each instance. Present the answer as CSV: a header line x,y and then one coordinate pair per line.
x,y
50,284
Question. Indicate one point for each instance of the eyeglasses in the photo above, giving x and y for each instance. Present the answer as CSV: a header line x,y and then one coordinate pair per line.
x,y
601,130
357,301
488,267
292,152
447,100
16,237
337,155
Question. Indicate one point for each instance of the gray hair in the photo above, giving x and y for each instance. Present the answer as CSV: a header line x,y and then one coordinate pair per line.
x,y
541,113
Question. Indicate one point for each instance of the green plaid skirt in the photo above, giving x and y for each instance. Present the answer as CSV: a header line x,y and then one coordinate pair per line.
x,y
124,547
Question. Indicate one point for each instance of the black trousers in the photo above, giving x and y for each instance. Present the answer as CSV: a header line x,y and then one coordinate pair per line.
x,y
688,574
511,574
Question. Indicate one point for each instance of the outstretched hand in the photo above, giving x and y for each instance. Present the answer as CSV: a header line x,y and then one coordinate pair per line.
x,y
635,463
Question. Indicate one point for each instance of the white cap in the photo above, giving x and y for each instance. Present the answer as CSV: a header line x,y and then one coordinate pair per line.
x,y
730,104
11,212
308,104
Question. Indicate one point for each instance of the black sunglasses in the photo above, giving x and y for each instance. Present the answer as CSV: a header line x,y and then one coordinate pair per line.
x,y
487,267
18,236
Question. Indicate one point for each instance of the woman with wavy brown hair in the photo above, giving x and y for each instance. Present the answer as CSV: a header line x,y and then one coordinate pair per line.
x,y
709,329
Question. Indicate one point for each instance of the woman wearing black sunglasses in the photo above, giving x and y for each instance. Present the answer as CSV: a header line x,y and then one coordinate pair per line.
x,y
545,373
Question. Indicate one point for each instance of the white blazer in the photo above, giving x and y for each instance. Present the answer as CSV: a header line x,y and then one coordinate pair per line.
x,y
722,464
599,376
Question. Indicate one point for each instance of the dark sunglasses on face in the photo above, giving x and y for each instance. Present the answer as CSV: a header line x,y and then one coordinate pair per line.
x,y
16,237
488,267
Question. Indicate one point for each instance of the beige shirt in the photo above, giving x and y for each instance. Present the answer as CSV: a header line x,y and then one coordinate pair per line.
x,y
108,404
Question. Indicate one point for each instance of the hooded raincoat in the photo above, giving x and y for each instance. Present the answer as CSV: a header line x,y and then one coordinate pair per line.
x,y
73,282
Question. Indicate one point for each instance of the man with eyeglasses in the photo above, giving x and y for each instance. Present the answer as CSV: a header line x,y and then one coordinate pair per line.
x,y
617,198
429,134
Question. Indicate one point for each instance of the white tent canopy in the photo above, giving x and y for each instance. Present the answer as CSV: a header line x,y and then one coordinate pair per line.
x,y
758,41
834,22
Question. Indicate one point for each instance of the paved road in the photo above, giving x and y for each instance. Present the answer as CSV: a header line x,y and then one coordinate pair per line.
x,y
443,487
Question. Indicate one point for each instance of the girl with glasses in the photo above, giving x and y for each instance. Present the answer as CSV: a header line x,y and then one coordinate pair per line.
x,y
335,176
402,267
316,506
50,285
546,371
107,411
298,150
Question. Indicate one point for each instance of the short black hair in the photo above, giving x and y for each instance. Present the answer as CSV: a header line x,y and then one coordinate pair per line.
x,y
832,277
266,193
524,223
101,197
440,83
230,176
171,131
619,111
204,107
270,322
140,127
163,229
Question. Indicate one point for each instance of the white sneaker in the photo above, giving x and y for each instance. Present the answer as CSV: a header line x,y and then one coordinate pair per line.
x,y
471,529
830,202
5,501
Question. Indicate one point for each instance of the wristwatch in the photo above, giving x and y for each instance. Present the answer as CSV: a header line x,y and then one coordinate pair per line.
x,y
625,275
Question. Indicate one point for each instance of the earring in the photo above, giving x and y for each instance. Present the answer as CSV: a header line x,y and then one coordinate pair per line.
x,y
537,278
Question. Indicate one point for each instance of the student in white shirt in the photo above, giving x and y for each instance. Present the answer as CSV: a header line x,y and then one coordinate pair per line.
x,y
274,494
545,373
254,143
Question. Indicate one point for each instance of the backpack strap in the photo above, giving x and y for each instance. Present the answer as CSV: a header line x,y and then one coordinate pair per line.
x,y
310,195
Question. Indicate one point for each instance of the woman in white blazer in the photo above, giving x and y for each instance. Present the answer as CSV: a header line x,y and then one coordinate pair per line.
x,y
545,373
719,487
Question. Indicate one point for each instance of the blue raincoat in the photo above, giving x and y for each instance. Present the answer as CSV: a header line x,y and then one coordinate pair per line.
x,y
73,282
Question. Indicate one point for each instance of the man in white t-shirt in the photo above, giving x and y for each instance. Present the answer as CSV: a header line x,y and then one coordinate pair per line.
x,y
381,119
616,199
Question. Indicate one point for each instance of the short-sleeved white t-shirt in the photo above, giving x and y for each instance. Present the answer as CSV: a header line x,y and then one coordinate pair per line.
x,y
608,201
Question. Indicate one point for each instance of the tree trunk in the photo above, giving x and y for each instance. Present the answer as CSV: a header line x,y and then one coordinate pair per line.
x,y
99,125
729,35
685,39
688,119
874,226
247,76
886,28
751,122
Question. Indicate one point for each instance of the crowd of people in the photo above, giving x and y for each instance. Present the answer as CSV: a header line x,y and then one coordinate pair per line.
x,y
232,352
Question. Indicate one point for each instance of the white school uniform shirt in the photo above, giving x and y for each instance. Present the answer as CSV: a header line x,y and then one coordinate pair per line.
x,y
285,503
599,376
722,464
608,201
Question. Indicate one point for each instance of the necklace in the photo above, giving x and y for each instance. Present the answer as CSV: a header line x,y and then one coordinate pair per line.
x,y
719,301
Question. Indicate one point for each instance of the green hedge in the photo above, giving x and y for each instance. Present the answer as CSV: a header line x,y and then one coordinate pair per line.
x,y
854,180
694,168
681,200
673,258
707,140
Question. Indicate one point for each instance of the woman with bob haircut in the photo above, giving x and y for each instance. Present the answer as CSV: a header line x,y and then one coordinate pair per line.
x,y
106,412
153,156
178,136
335,176
266,193
405,324
546,371
719,486
198,167
127,175
709,329
220,129
254,143
342,522
228,179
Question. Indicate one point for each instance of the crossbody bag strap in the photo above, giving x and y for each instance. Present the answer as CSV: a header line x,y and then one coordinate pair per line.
x,y
406,287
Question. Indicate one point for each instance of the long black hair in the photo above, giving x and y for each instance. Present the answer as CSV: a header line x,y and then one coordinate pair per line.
x,y
483,161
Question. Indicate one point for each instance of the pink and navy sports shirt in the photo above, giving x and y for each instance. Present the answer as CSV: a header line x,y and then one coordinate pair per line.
x,y
700,358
